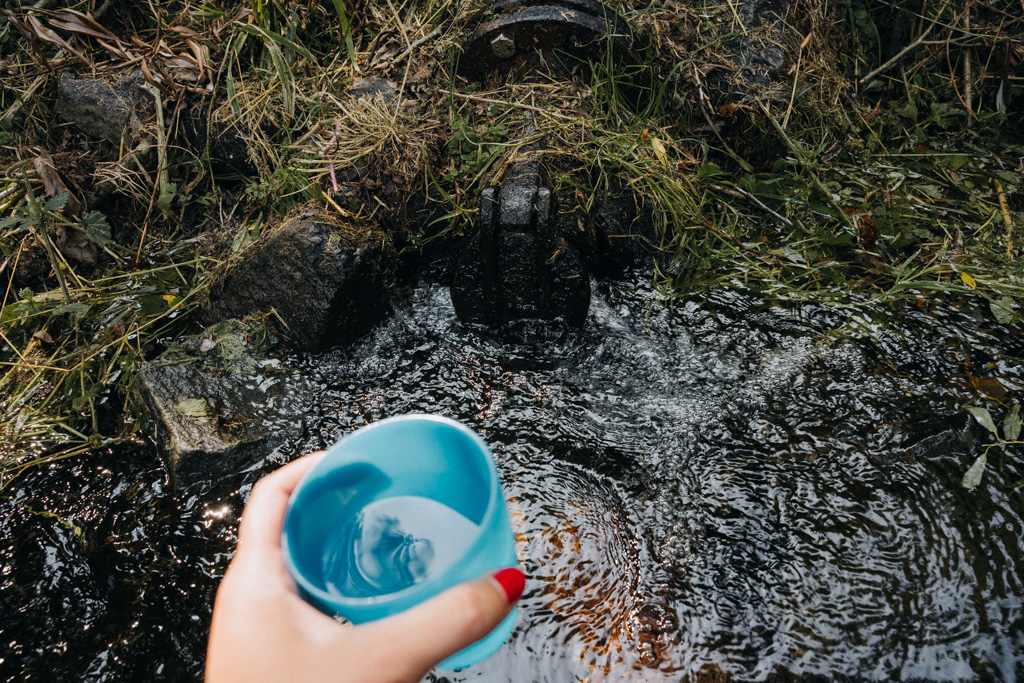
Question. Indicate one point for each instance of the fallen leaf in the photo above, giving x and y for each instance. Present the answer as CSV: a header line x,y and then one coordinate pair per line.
x,y
984,418
968,279
659,151
196,408
1012,423
76,245
973,476
53,185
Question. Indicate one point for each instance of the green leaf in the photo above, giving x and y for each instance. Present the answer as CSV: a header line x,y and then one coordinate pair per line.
x,y
709,171
57,203
277,38
77,310
973,476
1002,309
1011,424
94,225
12,313
84,398
908,111
984,418
285,76
167,192
11,221
346,29
152,304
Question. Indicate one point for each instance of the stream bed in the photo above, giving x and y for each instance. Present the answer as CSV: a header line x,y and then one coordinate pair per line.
x,y
726,487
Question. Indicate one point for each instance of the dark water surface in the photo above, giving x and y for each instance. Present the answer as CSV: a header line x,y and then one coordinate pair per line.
x,y
727,486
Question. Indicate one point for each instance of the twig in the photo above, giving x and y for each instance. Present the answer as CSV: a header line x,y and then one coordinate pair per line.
x,y
739,192
13,348
162,175
1004,210
273,312
415,44
405,37
736,15
796,78
337,208
899,55
9,191
517,105
968,53
704,105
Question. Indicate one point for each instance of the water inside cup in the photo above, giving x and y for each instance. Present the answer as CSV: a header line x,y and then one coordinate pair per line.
x,y
394,543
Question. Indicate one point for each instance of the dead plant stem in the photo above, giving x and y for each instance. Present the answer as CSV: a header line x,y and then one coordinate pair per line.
x,y
405,37
415,44
792,94
743,194
1004,210
968,54
162,173
517,105
843,217
736,15
902,53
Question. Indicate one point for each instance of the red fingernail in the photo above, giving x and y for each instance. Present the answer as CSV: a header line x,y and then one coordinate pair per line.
x,y
512,581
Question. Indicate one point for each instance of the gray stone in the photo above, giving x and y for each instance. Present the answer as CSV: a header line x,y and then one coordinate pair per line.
x,y
374,86
105,110
328,283
214,416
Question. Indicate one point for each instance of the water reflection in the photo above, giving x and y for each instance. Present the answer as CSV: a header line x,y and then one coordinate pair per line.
x,y
733,487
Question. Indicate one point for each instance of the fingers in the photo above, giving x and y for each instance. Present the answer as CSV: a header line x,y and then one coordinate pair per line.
x,y
263,516
428,633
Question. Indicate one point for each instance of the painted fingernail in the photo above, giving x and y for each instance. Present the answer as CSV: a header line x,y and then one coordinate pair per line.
x,y
512,581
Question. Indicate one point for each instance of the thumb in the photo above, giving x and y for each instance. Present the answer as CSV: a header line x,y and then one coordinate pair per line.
x,y
422,636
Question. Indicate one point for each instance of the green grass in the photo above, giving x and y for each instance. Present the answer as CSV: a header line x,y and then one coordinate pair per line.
x,y
905,186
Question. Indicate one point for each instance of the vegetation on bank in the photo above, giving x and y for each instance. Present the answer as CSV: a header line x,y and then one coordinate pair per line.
x,y
884,158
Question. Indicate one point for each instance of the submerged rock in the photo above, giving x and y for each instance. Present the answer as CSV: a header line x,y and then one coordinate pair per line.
x,y
959,440
220,405
105,110
327,283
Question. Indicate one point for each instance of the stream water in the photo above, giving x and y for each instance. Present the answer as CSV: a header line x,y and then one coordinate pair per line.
x,y
732,487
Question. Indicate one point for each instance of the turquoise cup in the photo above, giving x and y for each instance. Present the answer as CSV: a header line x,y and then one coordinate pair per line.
x,y
395,513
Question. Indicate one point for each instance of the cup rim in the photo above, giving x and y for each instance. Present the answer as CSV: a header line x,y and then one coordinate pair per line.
x,y
431,586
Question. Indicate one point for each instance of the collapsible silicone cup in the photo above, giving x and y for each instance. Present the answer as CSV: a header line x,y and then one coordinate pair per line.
x,y
410,455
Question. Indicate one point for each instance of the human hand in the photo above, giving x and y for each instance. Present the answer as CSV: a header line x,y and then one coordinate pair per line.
x,y
262,630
